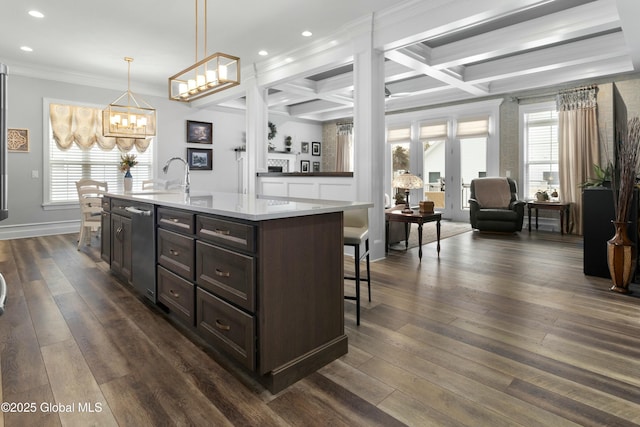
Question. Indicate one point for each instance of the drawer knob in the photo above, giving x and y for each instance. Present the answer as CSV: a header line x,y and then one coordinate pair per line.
x,y
221,273
174,294
222,326
174,252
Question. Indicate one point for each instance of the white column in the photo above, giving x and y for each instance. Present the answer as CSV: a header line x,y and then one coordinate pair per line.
x,y
256,125
369,124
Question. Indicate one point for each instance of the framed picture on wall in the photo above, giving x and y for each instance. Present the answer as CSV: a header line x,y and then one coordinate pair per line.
x,y
304,166
18,140
316,166
304,147
200,158
199,132
315,148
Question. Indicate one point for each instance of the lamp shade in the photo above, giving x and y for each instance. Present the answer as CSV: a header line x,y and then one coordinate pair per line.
x,y
407,181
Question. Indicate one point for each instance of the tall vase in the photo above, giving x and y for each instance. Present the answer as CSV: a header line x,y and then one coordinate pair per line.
x,y
128,181
621,258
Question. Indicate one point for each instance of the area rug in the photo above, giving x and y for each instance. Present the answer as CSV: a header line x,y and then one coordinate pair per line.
x,y
447,229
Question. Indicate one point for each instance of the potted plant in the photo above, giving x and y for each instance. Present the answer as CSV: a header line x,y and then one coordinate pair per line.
x,y
621,252
542,196
127,161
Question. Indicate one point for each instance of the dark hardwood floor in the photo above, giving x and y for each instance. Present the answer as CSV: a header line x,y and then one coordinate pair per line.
x,y
499,331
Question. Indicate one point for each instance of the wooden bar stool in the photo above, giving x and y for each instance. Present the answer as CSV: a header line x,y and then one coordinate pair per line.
x,y
356,232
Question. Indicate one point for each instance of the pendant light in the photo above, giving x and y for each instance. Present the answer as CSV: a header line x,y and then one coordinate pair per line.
x,y
130,120
212,74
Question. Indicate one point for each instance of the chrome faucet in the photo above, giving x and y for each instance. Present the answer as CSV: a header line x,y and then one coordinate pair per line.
x,y
187,180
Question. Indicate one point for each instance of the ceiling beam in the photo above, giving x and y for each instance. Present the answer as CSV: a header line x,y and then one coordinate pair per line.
x,y
410,59
553,58
566,25
629,11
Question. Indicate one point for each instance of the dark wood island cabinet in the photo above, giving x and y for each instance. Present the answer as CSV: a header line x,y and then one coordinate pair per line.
x,y
264,288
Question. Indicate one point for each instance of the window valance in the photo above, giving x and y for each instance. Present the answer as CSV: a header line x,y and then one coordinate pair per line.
x,y
83,126
577,99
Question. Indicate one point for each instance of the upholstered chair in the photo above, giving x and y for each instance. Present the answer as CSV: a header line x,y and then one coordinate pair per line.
x,y
494,205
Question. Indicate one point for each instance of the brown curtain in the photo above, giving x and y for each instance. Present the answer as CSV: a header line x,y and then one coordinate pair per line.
x,y
83,126
344,148
578,146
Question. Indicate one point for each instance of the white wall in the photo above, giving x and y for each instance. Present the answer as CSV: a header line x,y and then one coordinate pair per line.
x,y
25,194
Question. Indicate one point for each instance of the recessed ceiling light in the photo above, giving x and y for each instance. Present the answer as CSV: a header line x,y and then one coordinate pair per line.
x,y
288,60
26,48
263,53
307,33
36,14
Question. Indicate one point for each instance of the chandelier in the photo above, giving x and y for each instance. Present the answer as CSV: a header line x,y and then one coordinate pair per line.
x,y
208,76
131,120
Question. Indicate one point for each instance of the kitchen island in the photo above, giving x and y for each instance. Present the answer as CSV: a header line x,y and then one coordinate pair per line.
x,y
259,279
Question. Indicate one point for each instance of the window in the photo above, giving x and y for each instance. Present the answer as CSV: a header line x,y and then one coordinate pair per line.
x,y
63,167
399,139
540,132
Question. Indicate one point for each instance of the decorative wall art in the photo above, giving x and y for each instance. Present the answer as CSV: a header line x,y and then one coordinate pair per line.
x,y
200,158
315,148
316,166
304,147
199,132
18,140
304,166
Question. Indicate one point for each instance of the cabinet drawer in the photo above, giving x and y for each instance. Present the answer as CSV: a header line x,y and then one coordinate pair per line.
x,y
227,274
176,220
118,207
227,233
226,327
175,252
177,294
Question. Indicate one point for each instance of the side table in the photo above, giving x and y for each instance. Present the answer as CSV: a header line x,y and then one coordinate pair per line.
x,y
417,217
563,208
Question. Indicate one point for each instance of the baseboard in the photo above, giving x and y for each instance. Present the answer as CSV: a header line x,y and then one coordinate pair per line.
x,y
544,224
21,231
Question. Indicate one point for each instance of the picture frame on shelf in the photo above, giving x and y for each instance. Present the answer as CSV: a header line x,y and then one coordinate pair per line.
x,y
199,132
315,149
304,147
17,140
316,166
304,166
200,159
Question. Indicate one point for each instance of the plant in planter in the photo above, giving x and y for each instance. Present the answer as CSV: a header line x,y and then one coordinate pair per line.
x,y
542,196
127,161
287,143
602,179
621,252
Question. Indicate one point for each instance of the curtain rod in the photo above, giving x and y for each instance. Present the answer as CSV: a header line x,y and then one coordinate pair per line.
x,y
344,123
549,94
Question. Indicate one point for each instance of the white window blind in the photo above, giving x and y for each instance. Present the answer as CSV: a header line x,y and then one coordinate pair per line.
x,y
67,167
433,131
399,134
541,150
474,127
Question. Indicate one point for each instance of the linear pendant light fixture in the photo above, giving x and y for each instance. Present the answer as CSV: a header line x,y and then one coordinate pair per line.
x,y
208,76
131,120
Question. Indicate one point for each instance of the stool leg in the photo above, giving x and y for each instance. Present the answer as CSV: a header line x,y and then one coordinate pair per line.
x,y
366,245
357,260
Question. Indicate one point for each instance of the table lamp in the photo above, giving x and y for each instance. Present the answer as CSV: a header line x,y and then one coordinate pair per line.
x,y
408,182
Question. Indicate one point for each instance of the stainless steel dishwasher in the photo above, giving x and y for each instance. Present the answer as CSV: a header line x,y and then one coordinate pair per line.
x,y
143,253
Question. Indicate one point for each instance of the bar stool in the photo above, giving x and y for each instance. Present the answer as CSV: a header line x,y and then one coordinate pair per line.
x,y
356,231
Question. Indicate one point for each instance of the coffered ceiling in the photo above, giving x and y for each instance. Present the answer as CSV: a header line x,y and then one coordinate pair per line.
x,y
457,50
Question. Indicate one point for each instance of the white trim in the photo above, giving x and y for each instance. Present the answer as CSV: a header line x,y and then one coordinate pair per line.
x,y
20,231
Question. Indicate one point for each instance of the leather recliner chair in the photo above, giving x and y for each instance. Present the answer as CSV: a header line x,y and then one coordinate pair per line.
x,y
494,205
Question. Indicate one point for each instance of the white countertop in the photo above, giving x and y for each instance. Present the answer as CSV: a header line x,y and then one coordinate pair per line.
x,y
242,206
